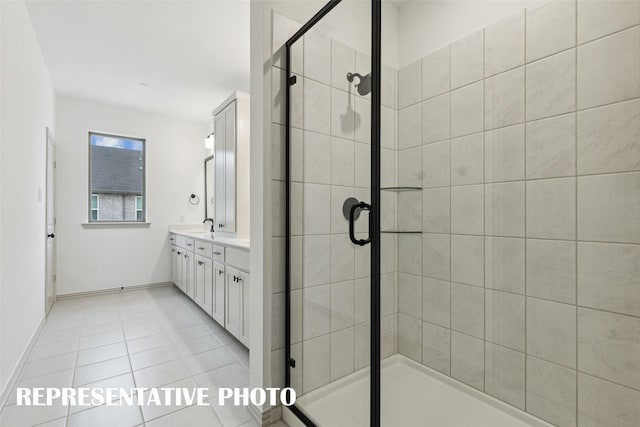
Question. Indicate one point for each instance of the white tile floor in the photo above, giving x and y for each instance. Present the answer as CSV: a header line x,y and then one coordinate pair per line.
x,y
145,338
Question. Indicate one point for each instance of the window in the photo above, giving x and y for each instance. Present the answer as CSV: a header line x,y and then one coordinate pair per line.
x,y
117,178
95,206
139,210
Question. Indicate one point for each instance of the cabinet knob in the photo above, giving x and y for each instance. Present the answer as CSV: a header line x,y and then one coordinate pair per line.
x,y
200,263
220,272
179,253
217,253
200,248
189,244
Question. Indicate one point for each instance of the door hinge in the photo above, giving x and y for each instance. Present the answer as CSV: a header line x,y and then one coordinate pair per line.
x,y
293,80
292,362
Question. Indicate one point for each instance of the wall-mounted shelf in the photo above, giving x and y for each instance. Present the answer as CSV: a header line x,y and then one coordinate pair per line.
x,y
398,189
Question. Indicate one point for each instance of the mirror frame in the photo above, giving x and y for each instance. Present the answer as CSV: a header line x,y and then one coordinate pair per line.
x,y
206,194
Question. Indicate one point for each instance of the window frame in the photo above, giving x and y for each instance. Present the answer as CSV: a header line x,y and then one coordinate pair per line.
x,y
97,209
90,221
141,208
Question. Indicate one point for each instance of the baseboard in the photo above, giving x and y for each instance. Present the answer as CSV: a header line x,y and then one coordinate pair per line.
x,y
116,290
13,378
267,417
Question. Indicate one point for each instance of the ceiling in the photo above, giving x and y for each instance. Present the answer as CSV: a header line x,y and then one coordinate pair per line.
x,y
180,58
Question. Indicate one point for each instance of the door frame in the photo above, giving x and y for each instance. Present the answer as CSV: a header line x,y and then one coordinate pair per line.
x,y
49,139
374,214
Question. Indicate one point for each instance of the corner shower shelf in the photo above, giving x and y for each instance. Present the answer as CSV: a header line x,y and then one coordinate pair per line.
x,y
398,189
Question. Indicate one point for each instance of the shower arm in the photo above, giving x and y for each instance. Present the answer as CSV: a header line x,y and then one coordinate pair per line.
x,y
350,76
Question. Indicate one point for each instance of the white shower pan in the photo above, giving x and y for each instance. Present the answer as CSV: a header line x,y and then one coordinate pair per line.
x,y
412,395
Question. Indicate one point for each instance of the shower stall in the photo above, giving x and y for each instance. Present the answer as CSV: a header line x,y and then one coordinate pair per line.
x,y
460,204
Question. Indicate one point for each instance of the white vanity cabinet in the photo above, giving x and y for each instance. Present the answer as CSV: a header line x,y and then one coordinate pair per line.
x,y
217,278
231,153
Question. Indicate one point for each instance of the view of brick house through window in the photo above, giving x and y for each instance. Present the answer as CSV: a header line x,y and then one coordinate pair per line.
x,y
117,171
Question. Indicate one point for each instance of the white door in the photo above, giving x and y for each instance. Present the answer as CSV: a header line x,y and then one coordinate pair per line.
x,y
207,295
246,285
50,248
218,293
230,169
233,318
219,157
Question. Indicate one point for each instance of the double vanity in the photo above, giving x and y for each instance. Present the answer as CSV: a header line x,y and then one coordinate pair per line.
x,y
214,273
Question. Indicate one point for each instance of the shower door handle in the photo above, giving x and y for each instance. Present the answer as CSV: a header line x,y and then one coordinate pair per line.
x,y
352,221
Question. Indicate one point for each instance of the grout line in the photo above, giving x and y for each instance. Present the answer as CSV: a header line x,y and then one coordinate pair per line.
x,y
575,165
526,15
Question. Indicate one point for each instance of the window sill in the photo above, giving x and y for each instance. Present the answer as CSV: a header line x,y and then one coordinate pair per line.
x,y
116,224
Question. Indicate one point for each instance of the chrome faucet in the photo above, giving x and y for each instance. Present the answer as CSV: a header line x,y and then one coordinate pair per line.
x,y
211,221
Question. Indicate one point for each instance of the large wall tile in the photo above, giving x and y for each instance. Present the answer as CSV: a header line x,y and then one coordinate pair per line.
x,y
316,216
505,374
410,337
316,358
467,153
435,119
504,209
609,138
551,28
551,147
505,319
362,120
467,360
467,209
504,154
317,158
387,128
609,345
609,69
551,270
316,260
342,162
504,264
601,403
339,224
409,209
609,277
504,99
551,331
410,167
467,60
343,61
316,315
609,208
362,340
597,18
409,84
504,45
389,83
409,253
317,56
436,252
342,300
362,308
467,110
551,86
551,208
435,165
435,73
410,126
342,258
551,392
410,295
317,107
436,347
467,259
362,157
436,301
436,210
342,353
467,309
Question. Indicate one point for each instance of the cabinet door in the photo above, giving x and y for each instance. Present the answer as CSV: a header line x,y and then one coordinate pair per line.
x,y
219,154
179,262
230,169
207,290
199,282
233,318
189,275
218,293
246,309
174,269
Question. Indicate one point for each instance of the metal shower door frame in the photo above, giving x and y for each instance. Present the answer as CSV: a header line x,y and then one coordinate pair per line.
x,y
374,214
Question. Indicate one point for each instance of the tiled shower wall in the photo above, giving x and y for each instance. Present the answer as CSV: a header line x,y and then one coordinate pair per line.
x,y
331,155
525,283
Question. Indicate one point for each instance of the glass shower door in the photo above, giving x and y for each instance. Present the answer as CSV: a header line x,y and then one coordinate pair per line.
x,y
329,183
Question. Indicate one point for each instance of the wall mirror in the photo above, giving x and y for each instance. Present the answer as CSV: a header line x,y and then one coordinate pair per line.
x,y
209,177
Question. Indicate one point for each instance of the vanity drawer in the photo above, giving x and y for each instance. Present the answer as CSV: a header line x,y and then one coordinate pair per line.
x,y
185,242
238,258
172,239
203,248
217,253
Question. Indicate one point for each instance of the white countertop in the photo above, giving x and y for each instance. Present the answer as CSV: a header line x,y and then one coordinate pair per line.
x,y
219,239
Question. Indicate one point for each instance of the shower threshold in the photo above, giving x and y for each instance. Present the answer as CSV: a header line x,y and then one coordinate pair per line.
x,y
411,395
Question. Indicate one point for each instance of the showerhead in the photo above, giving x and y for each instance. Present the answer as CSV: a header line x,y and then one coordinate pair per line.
x,y
364,85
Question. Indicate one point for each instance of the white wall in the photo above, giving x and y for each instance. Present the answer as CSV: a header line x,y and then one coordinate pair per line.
x,y
92,258
427,25
27,108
